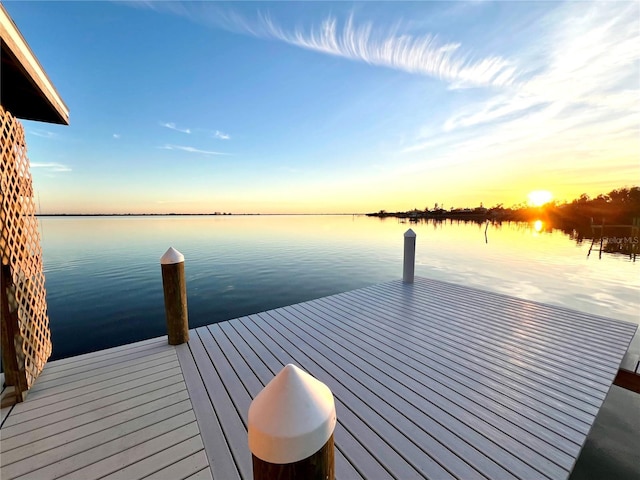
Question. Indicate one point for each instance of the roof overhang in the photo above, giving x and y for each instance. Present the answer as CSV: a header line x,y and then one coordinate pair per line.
x,y
25,89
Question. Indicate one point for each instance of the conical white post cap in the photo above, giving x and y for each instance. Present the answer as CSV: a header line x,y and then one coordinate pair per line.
x,y
171,256
410,233
291,418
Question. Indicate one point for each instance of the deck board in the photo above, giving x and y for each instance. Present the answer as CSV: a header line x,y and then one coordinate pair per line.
x,y
266,367
441,403
124,411
67,458
217,450
431,380
515,376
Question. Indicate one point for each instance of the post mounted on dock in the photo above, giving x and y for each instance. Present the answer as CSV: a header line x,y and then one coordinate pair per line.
x,y
408,271
291,424
175,296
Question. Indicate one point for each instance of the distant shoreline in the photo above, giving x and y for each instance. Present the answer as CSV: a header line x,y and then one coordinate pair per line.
x,y
190,214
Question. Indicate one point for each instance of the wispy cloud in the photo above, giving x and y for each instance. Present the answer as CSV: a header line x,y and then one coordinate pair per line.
x,y
172,126
221,135
42,133
116,136
424,55
191,149
362,42
580,107
51,167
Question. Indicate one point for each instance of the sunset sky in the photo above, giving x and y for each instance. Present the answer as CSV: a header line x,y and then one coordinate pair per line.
x,y
332,107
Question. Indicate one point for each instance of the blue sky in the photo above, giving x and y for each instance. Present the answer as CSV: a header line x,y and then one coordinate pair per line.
x,y
332,106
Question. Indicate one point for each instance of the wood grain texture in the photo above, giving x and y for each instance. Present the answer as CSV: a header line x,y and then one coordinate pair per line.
x,y
175,303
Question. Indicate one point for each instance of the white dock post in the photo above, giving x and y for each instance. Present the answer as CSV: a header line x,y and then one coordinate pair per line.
x,y
291,423
175,296
409,267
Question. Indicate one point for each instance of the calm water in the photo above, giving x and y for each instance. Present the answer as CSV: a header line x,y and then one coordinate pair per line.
x,y
104,285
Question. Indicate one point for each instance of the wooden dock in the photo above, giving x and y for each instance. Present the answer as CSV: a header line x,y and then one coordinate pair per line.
x,y
431,380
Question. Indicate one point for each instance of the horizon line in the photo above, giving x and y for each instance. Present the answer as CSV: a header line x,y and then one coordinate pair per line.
x,y
186,214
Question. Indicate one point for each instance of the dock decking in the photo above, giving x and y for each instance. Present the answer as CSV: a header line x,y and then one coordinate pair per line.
x,y
118,413
431,380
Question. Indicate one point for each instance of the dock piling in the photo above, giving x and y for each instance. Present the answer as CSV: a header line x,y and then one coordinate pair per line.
x,y
291,424
408,271
175,296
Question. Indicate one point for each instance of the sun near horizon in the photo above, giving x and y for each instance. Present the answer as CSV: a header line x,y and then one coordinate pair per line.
x,y
537,198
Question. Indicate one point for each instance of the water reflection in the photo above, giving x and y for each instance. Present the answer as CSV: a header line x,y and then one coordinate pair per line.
x,y
537,225
619,240
103,282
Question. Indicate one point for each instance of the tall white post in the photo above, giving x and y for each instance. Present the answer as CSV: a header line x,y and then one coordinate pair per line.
x,y
291,423
409,267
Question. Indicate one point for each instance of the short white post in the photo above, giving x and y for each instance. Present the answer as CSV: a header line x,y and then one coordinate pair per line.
x,y
175,296
291,423
409,267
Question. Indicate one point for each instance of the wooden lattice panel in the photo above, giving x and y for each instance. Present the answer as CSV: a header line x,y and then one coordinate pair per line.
x,y
25,300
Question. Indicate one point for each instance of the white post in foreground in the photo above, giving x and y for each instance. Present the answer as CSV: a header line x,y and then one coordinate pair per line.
x,y
175,296
291,423
409,256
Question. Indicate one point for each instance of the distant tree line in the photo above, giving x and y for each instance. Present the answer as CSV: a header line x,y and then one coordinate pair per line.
x,y
619,206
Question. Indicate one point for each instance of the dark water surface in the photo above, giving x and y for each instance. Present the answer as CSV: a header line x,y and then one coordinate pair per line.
x,y
104,286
